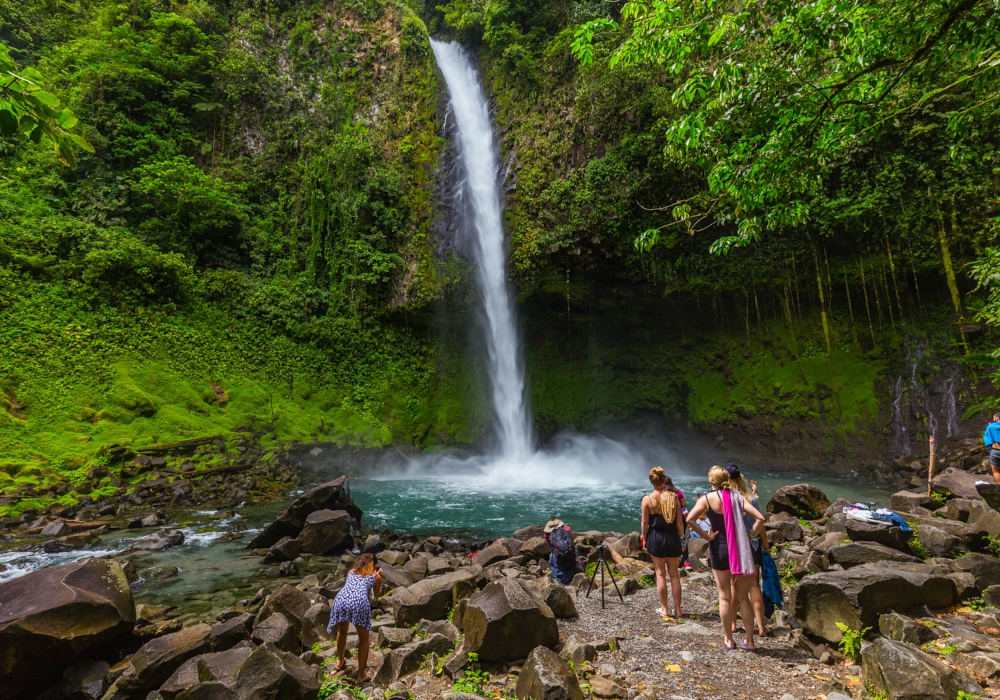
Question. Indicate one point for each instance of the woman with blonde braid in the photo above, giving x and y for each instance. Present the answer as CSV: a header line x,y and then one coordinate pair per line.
x,y
729,549
662,531
739,483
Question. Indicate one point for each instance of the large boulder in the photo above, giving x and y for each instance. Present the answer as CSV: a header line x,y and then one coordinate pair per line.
x,y
906,501
272,674
547,677
854,554
984,518
279,631
881,533
498,551
228,634
324,531
984,568
85,680
556,596
856,597
157,659
333,495
902,672
781,531
801,500
59,615
290,602
989,492
506,620
955,537
158,541
904,629
428,599
957,482
206,667
408,658
536,548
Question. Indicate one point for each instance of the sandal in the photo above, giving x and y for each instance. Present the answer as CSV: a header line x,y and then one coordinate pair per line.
x,y
729,648
752,650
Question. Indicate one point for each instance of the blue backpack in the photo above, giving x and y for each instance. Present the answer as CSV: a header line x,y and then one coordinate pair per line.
x,y
562,547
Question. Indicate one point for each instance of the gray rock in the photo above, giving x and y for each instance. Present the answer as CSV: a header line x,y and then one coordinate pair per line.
x,y
57,528
536,548
837,523
498,551
393,558
902,671
837,507
157,659
395,578
989,492
373,544
394,637
905,501
158,541
547,677
857,553
957,509
228,634
84,680
290,602
578,651
781,531
884,534
984,518
416,568
957,482
271,673
857,596
428,599
965,585
981,666
801,500
444,628
991,596
984,568
314,624
277,630
333,495
506,620
904,629
603,687
324,531
285,549
206,667
556,596
408,658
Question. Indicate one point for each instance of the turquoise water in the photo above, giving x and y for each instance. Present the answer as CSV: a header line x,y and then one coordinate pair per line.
x,y
478,509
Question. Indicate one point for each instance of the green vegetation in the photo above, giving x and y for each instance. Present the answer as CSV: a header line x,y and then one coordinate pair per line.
x,y
334,686
850,643
473,679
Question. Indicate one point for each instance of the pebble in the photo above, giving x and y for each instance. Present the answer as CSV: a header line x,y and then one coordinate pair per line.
x,y
687,656
787,696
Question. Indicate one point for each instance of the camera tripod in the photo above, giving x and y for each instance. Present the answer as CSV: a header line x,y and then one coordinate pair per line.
x,y
602,566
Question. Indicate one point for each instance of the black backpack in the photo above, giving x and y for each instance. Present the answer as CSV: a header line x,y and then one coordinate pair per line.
x,y
562,547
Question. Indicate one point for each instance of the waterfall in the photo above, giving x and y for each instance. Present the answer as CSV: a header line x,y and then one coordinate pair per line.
x,y
481,188
900,436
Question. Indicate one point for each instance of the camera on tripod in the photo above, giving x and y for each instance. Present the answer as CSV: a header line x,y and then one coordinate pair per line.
x,y
602,566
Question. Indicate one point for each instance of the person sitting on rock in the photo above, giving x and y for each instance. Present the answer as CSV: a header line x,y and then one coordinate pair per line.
x,y
351,606
563,561
991,438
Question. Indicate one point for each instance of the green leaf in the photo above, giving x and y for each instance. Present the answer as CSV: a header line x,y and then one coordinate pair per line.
x,y
717,35
8,123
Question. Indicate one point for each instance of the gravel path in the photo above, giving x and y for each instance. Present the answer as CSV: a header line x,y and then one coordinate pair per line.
x,y
707,670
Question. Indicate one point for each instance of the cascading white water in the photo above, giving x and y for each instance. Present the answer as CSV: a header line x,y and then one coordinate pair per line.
x,y
478,157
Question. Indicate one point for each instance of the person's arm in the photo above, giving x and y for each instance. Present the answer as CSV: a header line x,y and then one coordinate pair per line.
x,y
645,521
680,523
758,519
377,588
692,520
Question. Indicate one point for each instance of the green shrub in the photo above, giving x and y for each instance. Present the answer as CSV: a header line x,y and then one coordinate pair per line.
x,y
125,272
850,643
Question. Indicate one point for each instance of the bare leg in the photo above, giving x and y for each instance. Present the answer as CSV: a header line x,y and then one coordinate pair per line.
x,y
363,638
341,645
723,584
659,564
675,583
742,585
757,598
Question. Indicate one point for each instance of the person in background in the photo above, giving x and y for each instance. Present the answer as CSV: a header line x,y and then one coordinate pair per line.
x,y
352,607
991,438
662,530
563,562
756,597
684,511
729,549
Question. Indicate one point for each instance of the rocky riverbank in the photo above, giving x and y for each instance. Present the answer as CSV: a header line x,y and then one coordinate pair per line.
x,y
871,611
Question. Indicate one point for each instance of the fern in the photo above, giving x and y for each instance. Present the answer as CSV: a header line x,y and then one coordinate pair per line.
x,y
850,643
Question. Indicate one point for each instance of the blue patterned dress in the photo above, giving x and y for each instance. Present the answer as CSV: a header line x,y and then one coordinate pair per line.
x,y
351,604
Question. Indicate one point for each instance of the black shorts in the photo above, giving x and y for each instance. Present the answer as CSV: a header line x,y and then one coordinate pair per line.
x,y
995,458
663,543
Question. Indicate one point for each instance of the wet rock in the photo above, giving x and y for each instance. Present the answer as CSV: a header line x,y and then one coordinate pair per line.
x,y
857,596
151,521
285,549
801,500
156,660
547,676
333,495
856,553
325,531
159,541
57,528
85,680
904,629
428,599
984,568
277,630
408,658
902,671
288,568
55,616
506,620
228,634
161,572
884,534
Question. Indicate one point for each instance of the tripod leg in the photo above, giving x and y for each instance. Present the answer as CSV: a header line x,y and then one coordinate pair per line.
x,y
602,579
591,586
615,583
